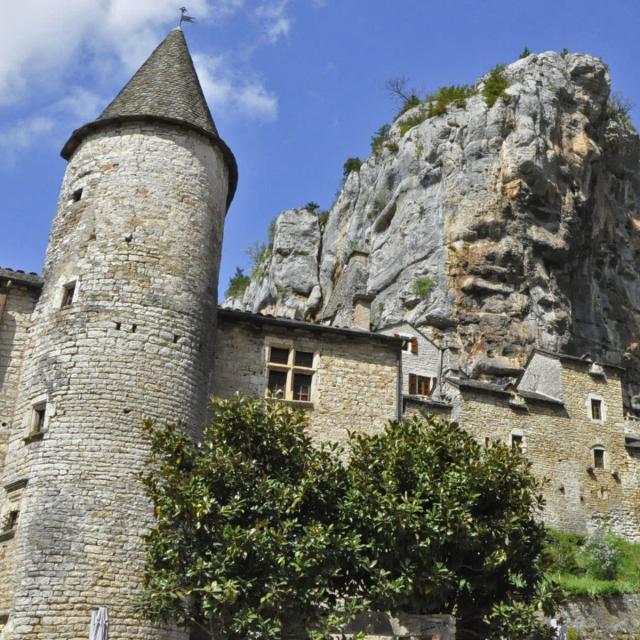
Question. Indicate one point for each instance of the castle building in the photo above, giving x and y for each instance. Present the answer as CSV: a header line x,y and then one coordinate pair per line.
x,y
123,326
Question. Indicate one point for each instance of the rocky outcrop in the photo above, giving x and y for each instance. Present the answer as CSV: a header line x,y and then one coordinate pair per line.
x,y
498,228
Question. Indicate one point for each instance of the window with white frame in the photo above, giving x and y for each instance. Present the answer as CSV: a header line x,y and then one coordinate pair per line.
x,y
290,373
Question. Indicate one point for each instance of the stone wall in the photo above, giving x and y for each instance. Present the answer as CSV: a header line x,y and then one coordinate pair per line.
x,y
355,382
141,241
609,617
559,440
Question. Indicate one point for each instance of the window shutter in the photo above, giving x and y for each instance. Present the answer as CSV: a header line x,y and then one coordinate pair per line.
x,y
413,384
414,345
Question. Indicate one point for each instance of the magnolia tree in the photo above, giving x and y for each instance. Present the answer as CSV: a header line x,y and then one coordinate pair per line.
x,y
261,533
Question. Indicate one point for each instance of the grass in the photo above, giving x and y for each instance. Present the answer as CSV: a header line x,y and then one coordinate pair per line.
x,y
568,562
423,286
412,121
619,109
379,138
456,95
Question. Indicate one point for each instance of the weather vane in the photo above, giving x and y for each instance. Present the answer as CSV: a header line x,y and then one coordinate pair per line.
x,y
184,17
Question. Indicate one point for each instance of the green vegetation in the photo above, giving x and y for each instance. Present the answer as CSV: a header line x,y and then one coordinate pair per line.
x,y
456,95
603,564
526,52
564,53
323,218
423,286
619,109
256,526
412,121
392,146
238,284
312,206
351,164
495,86
411,102
379,138
260,253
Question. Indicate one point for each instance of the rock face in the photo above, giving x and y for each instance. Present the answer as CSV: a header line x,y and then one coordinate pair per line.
x,y
495,229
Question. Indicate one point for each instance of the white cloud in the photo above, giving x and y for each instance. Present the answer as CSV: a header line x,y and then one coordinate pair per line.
x,y
23,134
275,22
232,92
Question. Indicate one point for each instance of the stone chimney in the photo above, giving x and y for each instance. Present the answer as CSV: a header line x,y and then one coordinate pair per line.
x,y
362,312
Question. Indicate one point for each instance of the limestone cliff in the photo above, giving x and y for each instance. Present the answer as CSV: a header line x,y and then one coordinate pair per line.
x,y
495,228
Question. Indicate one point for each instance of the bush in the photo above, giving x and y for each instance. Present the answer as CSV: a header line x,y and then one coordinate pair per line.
x,y
238,284
414,120
379,138
351,164
245,542
602,555
312,206
526,52
619,109
439,102
392,147
260,253
495,86
323,218
423,286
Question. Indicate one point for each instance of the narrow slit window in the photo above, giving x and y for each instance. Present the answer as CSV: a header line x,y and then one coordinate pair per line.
x,y
10,520
596,409
76,196
516,441
68,293
38,416
598,458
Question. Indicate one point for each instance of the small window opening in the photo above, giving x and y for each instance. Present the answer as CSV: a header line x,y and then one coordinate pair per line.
x,y
68,294
118,326
176,337
598,458
277,383
76,195
134,328
38,417
516,441
279,356
487,442
304,359
11,520
596,409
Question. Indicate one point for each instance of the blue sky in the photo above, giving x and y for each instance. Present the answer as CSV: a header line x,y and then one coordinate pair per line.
x,y
295,86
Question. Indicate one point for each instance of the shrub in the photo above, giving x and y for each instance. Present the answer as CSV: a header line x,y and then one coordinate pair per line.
x,y
602,555
423,286
260,253
495,86
439,102
414,120
312,206
379,138
351,164
619,109
323,218
392,147
564,53
238,284
525,53
410,103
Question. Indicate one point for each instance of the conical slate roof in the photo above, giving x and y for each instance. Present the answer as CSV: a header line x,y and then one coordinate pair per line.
x,y
167,86
165,89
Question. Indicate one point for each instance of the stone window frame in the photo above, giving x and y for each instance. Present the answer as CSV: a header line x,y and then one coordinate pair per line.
x,y
605,457
515,436
35,426
290,368
591,397
12,508
63,285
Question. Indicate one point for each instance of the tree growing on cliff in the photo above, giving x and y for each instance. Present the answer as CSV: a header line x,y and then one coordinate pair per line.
x,y
256,528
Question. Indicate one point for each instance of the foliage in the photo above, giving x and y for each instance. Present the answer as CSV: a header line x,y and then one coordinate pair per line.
x,y
399,90
245,540
495,86
438,102
565,52
260,253
574,562
447,525
323,218
619,109
423,286
312,206
379,138
238,284
351,164
271,231
406,124
526,52
392,147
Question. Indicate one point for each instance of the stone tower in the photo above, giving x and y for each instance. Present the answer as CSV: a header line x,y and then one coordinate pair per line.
x,y
122,331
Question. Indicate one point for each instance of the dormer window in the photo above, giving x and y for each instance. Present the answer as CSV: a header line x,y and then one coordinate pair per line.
x,y
68,293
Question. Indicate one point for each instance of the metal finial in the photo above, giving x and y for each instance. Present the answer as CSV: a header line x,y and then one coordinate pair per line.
x,y
184,17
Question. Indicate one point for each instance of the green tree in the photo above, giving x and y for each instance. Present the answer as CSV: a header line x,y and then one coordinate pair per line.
x,y
245,538
448,527
238,283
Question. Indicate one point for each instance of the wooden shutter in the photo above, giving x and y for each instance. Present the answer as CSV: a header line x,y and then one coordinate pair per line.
x,y
413,384
3,300
414,345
